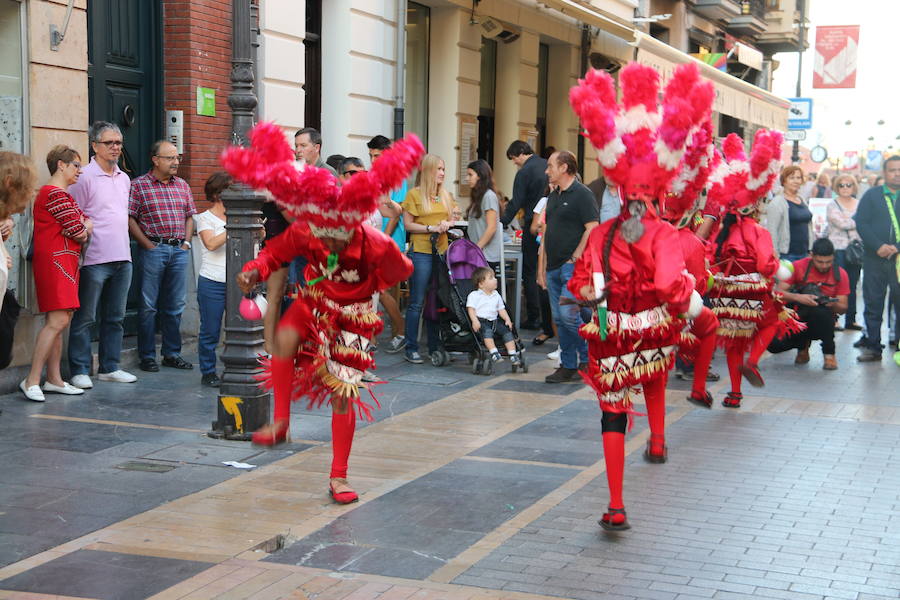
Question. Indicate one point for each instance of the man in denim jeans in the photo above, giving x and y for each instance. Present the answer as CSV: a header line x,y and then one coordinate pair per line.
x,y
102,193
160,220
571,214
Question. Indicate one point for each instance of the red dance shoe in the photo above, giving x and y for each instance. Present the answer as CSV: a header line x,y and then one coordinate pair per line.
x,y
752,375
272,434
703,400
732,400
614,519
347,496
656,451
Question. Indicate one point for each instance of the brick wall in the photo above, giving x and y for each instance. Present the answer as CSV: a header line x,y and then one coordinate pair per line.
x,y
197,52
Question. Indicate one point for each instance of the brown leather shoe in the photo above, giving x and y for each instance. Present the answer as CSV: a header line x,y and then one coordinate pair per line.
x,y
802,357
830,363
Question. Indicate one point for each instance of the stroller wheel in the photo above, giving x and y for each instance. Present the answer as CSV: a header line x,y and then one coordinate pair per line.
x,y
476,366
524,366
488,368
513,368
440,358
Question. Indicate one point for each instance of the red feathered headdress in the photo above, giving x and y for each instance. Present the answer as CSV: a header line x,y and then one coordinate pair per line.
x,y
738,184
314,195
683,199
640,146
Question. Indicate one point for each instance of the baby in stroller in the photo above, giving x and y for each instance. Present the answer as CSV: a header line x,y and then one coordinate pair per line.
x,y
484,306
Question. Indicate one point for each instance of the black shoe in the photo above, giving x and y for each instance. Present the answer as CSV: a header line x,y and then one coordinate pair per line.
x,y
176,362
583,367
562,375
862,342
530,325
869,355
211,380
853,327
149,364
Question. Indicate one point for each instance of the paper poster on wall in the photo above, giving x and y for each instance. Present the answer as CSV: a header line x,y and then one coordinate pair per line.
x,y
206,101
468,149
819,209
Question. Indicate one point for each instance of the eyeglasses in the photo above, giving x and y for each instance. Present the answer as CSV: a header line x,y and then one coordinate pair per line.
x,y
169,158
77,165
845,185
352,173
110,143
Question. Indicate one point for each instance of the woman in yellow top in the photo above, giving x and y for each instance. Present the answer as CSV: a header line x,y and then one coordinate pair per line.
x,y
428,209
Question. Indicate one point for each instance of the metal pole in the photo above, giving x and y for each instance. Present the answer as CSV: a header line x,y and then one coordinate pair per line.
x,y
242,405
795,154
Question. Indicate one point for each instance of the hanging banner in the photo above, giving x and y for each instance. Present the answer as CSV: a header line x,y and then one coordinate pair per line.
x,y
873,160
835,62
851,160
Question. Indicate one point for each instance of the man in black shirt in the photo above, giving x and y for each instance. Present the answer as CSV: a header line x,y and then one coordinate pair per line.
x,y
571,214
528,187
877,223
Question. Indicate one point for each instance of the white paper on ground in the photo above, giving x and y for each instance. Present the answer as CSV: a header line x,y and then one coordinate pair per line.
x,y
238,465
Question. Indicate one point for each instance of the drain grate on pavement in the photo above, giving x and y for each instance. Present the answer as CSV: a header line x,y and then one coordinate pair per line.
x,y
146,467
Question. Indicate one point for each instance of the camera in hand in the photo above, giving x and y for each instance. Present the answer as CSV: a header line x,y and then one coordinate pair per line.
x,y
813,289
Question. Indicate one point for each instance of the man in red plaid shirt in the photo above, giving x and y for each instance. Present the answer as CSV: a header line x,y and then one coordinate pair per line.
x,y
160,213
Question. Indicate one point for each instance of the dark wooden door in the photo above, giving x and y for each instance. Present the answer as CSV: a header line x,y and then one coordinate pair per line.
x,y
125,88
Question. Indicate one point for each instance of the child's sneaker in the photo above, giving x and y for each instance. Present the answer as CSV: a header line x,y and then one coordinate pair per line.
x,y
515,359
495,356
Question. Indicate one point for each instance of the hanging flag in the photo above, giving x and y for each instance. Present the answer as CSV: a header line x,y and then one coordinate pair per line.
x,y
835,62
714,59
851,160
873,160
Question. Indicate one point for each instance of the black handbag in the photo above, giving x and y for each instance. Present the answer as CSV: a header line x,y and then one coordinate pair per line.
x,y
9,314
854,252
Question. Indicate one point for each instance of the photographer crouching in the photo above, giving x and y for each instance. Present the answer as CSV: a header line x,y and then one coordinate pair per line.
x,y
818,291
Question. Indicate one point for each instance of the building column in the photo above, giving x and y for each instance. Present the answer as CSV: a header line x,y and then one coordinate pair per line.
x,y
562,75
454,80
281,66
516,103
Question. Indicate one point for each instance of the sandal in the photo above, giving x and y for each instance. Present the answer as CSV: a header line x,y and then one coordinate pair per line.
x,y
752,375
705,401
540,339
347,496
656,451
609,522
733,400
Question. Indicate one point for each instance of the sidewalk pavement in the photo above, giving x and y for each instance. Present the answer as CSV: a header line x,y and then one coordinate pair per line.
x,y
471,487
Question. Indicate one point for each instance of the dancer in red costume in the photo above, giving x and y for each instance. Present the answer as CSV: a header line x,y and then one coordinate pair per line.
x,y
682,204
322,340
631,264
743,261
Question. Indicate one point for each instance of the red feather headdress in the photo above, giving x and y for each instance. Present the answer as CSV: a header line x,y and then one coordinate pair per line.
x,y
314,195
640,144
738,184
684,196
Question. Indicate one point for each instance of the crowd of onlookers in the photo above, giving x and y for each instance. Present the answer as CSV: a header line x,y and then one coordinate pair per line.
x,y
87,213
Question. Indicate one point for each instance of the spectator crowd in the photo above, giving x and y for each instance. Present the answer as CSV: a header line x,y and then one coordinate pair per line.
x,y
88,212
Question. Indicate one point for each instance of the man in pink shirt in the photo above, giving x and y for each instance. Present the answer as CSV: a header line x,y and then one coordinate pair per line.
x,y
102,193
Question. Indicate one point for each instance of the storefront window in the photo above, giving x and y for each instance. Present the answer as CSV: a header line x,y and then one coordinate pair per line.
x,y
12,96
418,24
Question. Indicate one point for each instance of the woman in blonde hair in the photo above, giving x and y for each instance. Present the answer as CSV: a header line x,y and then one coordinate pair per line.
x,y
427,210
18,181
60,230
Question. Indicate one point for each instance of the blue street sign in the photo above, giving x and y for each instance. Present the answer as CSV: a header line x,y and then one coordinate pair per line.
x,y
800,113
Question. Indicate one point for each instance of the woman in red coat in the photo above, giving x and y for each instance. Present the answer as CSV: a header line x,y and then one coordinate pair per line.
x,y
60,229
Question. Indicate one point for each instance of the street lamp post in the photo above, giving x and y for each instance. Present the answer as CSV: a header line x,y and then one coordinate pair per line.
x,y
242,405
795,154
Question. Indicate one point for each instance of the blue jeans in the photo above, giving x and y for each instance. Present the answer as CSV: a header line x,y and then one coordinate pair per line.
x,y
572,347
418,285
879,278
104,285
211,301
163,289
853,271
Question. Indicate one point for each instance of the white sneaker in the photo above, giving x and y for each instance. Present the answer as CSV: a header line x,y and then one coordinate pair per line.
x,y
65,388
117,376
554,355
33,392
82,381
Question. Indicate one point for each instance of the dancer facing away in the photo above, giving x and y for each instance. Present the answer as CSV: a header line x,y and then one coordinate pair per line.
x,y
682,204
321,342
632,263
743,261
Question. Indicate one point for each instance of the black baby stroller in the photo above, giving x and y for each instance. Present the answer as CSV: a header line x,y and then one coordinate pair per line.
x,y
451,285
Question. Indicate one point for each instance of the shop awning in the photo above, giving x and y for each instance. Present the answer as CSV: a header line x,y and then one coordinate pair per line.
x,y
594,17
734,97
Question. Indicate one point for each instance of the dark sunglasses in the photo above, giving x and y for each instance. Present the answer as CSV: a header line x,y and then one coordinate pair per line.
x,y
845,185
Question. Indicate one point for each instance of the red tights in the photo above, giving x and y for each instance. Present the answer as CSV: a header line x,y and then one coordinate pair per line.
x,y
342,430
735,357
